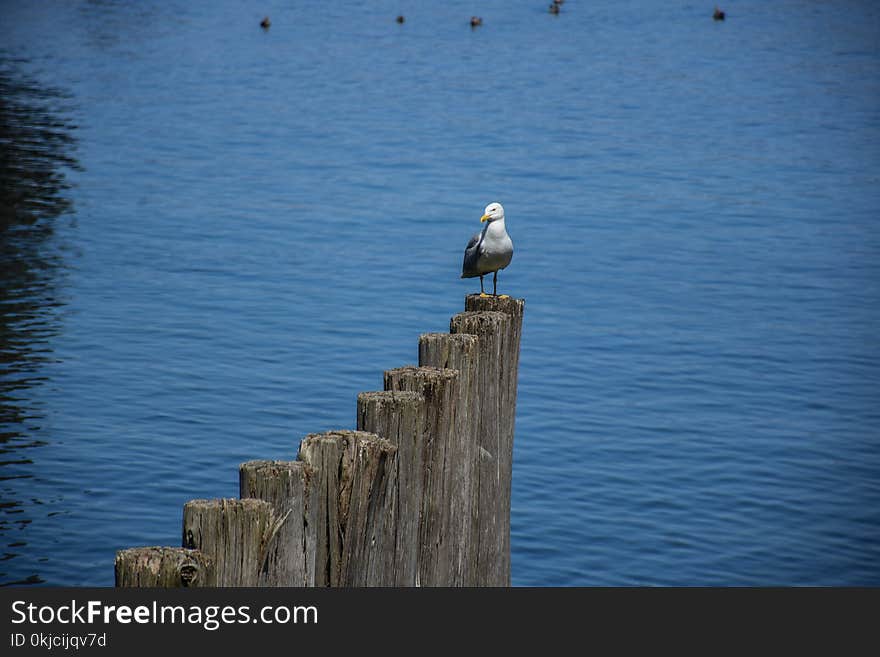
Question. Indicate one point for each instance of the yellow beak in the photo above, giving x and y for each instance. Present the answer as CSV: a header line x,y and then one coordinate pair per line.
x,y
485,217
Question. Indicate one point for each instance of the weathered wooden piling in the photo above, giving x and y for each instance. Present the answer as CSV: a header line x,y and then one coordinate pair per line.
x,y
419,495
461,465
439,387
354,530
233,534
163,567
400,418
485,431
290,487
497,415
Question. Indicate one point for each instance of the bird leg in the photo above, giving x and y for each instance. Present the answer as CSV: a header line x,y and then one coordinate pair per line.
x,y
495,287
482,294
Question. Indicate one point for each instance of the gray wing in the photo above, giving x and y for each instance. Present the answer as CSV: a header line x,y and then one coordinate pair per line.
x,y
471,256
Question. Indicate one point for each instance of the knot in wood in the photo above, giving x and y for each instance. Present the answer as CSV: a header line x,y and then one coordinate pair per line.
x,y
188,574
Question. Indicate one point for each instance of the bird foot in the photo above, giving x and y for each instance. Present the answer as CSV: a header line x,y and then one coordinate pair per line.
x,y
503,296
483,295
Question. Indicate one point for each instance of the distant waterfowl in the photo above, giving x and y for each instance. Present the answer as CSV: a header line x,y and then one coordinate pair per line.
x,y
476,21
718,15
400,19
265,23
554,8
489,250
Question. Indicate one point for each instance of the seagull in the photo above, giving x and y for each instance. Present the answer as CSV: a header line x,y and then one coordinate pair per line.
x,y
489,250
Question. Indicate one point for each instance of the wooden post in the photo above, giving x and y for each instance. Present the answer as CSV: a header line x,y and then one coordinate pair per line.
x,y
508,371
440,388
461,469
233,534
400,418
289,487
163,567
356,503
488,327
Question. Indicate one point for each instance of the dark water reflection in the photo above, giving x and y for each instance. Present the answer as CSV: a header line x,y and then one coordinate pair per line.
x,y
37,146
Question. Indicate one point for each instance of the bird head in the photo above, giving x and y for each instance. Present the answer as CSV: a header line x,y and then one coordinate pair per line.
x,y
493,212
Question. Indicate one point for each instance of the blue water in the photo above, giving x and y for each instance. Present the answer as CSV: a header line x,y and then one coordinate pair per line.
x,y
215,236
